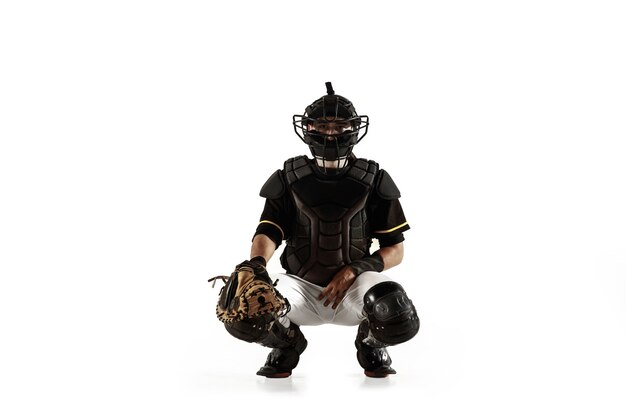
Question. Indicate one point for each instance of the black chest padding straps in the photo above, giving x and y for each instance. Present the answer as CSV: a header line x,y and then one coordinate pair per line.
x,y
274,187
386,188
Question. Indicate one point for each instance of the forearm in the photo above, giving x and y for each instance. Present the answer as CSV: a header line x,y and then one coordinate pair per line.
x,y
262,246
391,255
384,258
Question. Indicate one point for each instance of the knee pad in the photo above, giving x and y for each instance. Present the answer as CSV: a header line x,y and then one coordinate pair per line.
x,y
391,315
252,330
268,332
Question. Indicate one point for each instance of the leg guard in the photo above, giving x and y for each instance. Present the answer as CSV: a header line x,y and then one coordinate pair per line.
x,y
267,331
251,330
391,315
288,343
374,360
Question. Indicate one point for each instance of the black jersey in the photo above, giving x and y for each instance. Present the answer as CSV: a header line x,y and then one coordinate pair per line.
x,y
329,221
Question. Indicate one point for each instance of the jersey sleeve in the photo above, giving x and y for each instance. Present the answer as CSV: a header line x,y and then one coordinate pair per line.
x,y
274,220
387,221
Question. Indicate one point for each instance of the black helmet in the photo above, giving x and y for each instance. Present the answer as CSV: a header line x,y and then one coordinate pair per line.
x,y
336,110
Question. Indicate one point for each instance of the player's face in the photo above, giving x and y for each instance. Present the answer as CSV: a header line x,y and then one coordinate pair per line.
x,y
330,127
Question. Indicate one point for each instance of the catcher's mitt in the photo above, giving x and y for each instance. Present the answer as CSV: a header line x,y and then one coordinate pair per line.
x,y
248,293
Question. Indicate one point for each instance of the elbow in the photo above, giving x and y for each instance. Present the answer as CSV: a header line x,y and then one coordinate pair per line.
x,y
399,253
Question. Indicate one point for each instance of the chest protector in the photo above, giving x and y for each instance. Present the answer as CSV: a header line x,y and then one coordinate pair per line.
x,y
330,228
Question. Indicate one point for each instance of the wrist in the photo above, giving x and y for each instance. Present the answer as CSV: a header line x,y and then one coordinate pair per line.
x,y
372,263
259,259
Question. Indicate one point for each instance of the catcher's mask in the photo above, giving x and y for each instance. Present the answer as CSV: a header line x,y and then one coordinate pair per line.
x,y
331,127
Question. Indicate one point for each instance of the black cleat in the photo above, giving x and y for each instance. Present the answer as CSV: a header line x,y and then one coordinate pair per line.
x,y
381,372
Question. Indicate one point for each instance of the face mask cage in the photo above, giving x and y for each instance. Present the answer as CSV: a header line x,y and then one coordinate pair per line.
x,y
302,126
331,150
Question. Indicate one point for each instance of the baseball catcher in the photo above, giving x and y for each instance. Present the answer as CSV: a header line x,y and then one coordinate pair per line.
x,y
327,209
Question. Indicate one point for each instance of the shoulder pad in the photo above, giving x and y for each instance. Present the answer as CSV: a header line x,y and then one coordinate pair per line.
x,y
274,186
364,171
297,168
297,161
387,189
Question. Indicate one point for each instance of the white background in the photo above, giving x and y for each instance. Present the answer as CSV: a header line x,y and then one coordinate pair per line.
x,y
135,137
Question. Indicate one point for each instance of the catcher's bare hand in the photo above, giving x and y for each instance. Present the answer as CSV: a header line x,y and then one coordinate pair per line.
x,y
338,286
